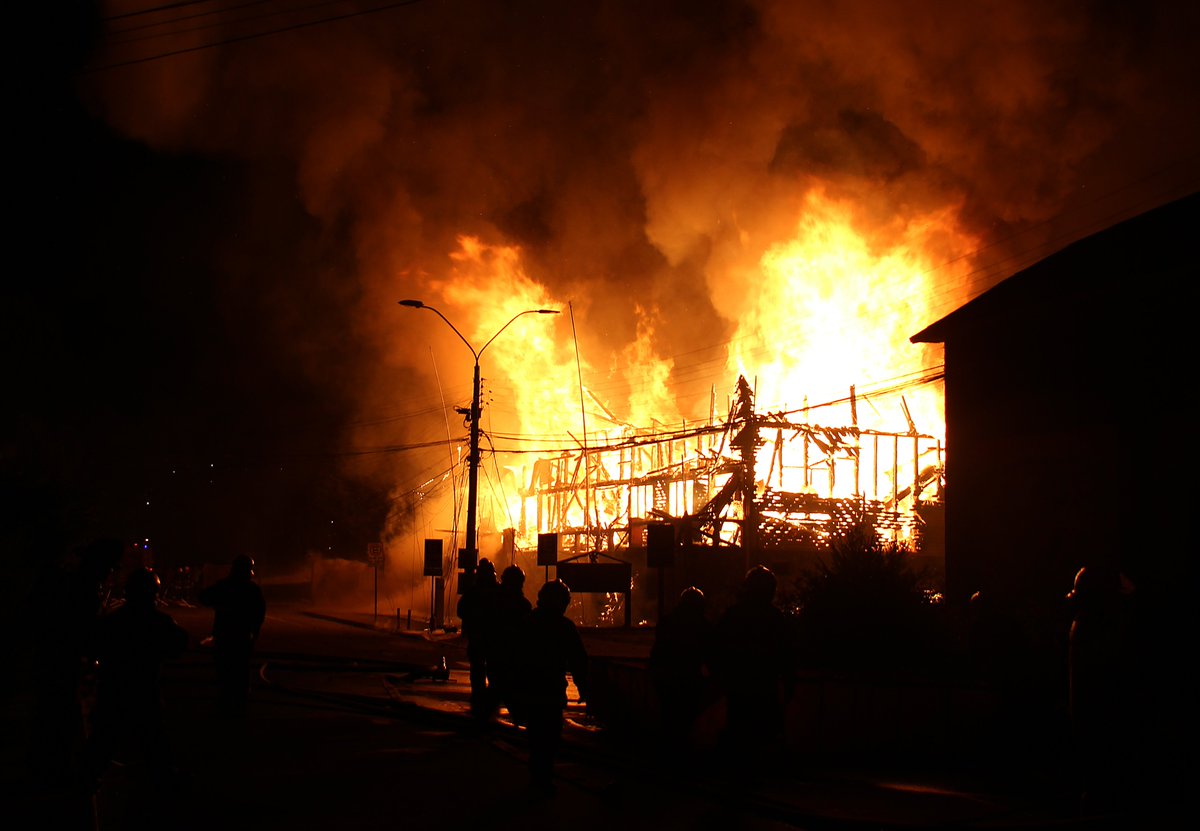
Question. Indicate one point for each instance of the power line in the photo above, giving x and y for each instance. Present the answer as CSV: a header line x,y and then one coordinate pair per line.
x,y
252,36
154,9
180,19
935,375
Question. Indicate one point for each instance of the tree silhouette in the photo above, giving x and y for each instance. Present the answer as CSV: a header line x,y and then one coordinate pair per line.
x,y
863,606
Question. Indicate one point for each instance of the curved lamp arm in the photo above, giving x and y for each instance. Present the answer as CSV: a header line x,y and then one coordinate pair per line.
x,y
417,304
514,317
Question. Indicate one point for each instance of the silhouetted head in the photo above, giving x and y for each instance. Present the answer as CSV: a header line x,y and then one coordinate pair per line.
x,y
759,585
513,577
554,596
141,588
485,573
242,567
692,599
1093,588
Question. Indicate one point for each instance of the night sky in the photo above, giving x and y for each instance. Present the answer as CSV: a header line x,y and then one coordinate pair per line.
x,y
212,227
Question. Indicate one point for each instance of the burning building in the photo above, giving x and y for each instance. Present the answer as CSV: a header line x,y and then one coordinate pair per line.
x,y
742,489
770,191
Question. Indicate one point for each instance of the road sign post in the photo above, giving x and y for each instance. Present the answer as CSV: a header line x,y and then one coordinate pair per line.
x,y
433,570
375,553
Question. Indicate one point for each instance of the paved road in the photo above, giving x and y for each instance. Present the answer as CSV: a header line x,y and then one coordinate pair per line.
x,y
346,730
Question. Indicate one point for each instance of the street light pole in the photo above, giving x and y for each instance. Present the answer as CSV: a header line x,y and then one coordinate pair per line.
x,y
476,408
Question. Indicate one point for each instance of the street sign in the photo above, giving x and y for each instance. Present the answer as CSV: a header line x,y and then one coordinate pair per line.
x,y
433,558
596,577
375,553
547,550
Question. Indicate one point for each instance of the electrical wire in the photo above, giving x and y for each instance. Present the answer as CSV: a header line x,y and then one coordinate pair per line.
x,y
247,37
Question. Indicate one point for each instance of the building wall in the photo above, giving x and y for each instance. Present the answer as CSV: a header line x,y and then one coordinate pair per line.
x,y
1033,425
1069,428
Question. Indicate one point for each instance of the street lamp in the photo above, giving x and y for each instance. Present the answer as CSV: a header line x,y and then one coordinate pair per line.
x,y
473,456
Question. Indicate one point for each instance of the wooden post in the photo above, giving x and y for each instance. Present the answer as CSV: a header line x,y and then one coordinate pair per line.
x,y
895,470
916,470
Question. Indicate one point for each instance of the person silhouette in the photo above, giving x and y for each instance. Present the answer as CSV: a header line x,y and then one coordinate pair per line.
x,y
679,660
131,645
1101,682
239,610
65,605
548,647
477,610
999,652
754,657
512,607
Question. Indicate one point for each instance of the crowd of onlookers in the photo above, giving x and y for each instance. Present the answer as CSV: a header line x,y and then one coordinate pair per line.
x,y
103,634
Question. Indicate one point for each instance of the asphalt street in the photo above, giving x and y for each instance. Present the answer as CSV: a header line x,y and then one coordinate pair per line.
x,y
347,728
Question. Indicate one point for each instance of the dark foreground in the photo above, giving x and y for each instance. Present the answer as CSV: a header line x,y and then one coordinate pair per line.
x,y
346,731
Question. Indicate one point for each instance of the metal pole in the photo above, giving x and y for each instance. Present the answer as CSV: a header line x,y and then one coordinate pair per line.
x,y
473,458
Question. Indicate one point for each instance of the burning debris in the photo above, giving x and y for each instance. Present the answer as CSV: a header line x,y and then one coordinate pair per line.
x,y
733,483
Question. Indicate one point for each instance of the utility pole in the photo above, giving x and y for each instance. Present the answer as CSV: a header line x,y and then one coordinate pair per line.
x,y
476,410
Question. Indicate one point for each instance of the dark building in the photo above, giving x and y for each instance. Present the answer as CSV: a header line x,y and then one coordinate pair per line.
x,y
1069,431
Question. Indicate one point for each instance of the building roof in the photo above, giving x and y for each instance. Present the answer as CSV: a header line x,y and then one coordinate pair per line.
x,y
1160,241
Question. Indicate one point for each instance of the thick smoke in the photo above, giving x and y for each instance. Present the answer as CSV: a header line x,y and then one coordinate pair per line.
x,y
644,157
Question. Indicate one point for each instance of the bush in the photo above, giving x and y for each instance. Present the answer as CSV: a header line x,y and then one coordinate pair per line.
x,y
864,606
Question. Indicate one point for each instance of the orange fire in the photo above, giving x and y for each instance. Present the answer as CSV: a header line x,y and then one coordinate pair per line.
x,y
825,310
833,307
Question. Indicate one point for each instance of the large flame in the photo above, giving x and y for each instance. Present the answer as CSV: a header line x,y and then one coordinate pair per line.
x,y
825,311
834,305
